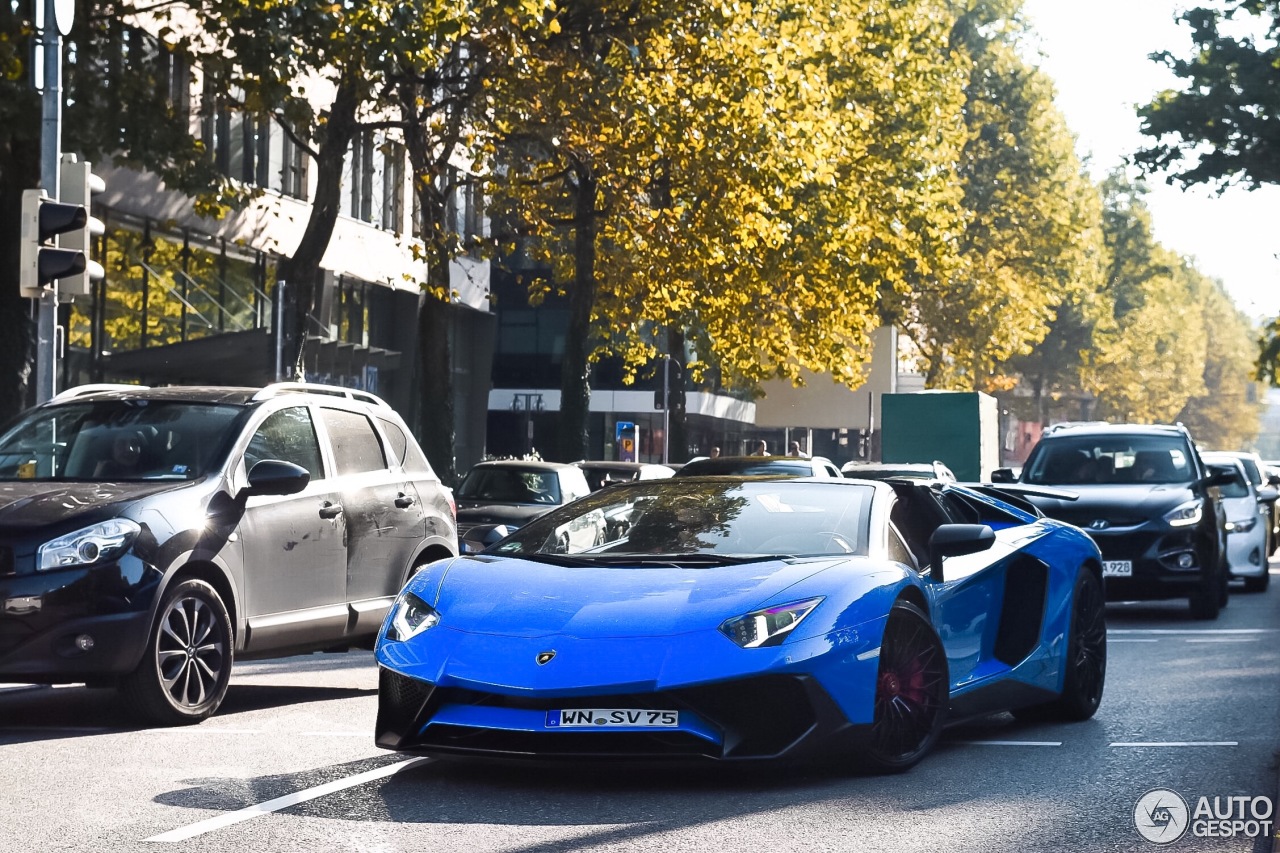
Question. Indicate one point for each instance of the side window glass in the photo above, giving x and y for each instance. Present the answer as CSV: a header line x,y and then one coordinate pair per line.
x,y
355,443
898,549
287,435
398,442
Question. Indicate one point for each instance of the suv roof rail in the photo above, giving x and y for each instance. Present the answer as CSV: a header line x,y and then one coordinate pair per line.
x,y
1052,428
95,388
276,389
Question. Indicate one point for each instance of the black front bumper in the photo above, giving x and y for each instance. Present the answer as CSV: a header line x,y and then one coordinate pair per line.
x,y
768,717
1154,555
42,614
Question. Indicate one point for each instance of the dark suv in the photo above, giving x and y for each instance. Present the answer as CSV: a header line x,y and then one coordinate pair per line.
x,y
150,536
1149,502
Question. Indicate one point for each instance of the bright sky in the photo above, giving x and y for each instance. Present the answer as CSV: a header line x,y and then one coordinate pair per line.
x,y
1096,51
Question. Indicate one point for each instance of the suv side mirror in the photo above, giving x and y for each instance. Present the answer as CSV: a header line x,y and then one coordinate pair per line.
x,y
1268,494
275,477
1003,475
955,540
1221,477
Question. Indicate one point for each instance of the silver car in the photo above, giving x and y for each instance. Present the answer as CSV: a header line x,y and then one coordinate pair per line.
x,y
1248,508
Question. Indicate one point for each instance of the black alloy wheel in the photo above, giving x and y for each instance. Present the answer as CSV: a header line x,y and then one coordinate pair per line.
x,y
1086,662
912,692
185,671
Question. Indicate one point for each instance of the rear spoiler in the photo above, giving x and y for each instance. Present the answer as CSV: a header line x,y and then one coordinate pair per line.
x,y
1017,494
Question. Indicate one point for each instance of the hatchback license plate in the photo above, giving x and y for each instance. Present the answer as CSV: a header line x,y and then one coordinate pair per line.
x,y
612,718
1117,568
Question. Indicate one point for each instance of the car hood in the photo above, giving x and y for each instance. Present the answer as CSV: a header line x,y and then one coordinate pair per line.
x,y
1096,501
509,596
473,512
26,505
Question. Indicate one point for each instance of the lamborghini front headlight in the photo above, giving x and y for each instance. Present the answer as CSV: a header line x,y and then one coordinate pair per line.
x,y
769,626
410,617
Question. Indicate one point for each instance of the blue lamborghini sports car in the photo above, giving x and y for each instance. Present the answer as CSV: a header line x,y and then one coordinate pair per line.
x,y
738,619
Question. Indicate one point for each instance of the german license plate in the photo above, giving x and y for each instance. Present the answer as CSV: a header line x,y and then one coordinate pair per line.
x,y
1117,568
612,718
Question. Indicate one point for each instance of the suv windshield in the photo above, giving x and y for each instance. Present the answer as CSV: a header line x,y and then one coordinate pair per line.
x,y
117,440
510,485
1109,459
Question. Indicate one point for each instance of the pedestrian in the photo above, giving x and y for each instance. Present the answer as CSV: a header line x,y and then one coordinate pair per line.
x,y
715,452
762,448
796,451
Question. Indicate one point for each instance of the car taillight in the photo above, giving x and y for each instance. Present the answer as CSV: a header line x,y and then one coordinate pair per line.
x,y
453,504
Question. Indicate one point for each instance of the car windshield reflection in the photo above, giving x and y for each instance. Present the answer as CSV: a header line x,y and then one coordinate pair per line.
x,y
728,520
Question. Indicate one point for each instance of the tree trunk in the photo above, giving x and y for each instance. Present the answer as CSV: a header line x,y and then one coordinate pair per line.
x,y
301,271
575,388
19,167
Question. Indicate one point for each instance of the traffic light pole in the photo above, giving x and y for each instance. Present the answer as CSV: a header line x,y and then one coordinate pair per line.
x,y
50,157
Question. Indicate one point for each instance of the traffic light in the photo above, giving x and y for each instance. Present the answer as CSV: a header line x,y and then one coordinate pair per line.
x,y
76,185
56,234
674,385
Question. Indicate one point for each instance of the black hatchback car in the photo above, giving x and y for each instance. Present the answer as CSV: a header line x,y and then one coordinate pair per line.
x,y
150,536
1148,500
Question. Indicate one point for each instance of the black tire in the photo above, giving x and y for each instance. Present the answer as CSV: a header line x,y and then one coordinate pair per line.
x,y
1086,661
912,692
184,673
1258,584
1206,601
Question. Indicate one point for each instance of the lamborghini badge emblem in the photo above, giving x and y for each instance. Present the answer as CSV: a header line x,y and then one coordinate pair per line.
x,y
545,657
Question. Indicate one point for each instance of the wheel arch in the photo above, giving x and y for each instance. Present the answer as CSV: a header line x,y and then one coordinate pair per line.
x,y
214,574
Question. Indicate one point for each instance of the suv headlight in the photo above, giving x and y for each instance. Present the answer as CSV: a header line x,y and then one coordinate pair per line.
x,y
767,627
1187,514
98,543
410,617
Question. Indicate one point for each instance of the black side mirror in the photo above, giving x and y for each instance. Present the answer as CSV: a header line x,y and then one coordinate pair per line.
x,y
275,477
955,540
482,536
1003,475
1221,476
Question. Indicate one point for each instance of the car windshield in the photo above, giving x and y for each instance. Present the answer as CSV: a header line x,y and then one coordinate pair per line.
x,y
118,440
733,519
511,485
881,473
747,467
1109,459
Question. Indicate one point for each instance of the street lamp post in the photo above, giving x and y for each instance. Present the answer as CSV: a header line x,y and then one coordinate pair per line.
x,y
527,402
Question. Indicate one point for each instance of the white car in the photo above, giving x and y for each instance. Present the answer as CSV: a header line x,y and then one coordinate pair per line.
x,y
1248,509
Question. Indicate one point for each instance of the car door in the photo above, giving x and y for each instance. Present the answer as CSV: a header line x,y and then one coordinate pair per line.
x,y
382,511
293,546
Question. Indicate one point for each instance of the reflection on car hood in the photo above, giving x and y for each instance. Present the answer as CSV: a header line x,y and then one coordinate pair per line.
x,y
473,512
35,504
1129,500
515,597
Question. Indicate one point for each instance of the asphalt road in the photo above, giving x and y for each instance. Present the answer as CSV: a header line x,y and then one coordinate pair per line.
x,y
289,764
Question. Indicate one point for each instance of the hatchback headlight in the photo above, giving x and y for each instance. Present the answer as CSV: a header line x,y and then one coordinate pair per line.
x,y
98,543
1187,514
410,617
1244,525
767,627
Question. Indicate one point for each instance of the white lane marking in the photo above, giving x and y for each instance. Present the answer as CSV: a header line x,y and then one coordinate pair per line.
x,y
202,730
1222,640
1178,743
1205,631
1011,742
250,812
1130,640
